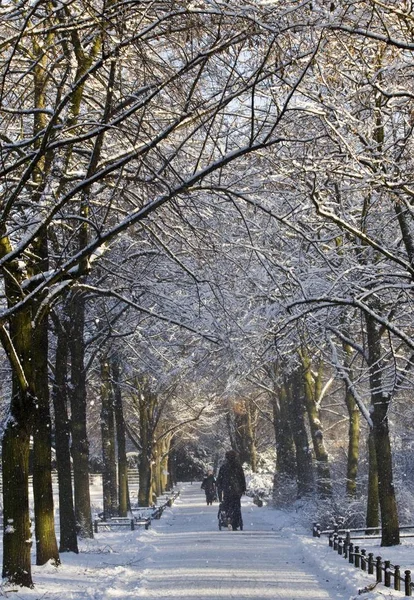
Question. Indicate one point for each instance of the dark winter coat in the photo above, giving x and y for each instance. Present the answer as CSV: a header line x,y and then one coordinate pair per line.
x,y
231,481
209,484
209,487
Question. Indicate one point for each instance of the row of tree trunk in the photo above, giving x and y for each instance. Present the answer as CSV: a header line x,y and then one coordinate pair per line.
x,y
296,405
31,420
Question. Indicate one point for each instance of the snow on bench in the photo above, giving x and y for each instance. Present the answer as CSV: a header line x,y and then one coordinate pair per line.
x,y
143,515
120,522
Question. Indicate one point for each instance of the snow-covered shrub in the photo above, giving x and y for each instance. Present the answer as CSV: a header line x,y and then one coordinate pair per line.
x,y
192,462
284,491
132,460
260,483
340,510
405,500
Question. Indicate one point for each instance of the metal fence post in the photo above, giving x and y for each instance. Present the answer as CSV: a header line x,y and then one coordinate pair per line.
x,y
363,559
371,563
397,578
378,569
346,548
407,583
387,573
351,553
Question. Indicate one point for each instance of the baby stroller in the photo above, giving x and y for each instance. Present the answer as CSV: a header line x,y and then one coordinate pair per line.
x,y
229,519
211,495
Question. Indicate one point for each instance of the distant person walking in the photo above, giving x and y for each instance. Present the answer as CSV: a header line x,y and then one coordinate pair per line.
x,y
209,487
231,485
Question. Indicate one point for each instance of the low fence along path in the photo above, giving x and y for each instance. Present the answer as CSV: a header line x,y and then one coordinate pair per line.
x,y
188,558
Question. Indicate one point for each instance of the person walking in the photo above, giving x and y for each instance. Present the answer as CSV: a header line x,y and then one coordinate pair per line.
x,y
231,485
209,487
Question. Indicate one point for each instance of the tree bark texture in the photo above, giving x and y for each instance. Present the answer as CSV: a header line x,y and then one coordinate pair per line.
x,y
46,543
38,264
123,492
16,438
244,432
146,429
144,470
160,472
305,479
165,450
172,476
373,512
285,448
380,402
80,444
311,387
353,429
109,479
15,465
68,541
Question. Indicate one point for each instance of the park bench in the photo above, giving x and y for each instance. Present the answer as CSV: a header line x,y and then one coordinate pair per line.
x,y
141,516
148,512
155,512
121,522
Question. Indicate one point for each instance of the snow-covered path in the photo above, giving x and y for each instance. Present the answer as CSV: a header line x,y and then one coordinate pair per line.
x,y
189,558
184,556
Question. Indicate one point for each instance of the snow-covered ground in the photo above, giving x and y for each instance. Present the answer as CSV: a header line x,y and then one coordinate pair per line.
x,y
184,556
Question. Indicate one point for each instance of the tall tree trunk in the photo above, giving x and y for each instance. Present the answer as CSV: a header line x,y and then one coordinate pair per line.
x,y
312,387
16,442
244,432
68,540
380,403
165,449
172,476
285,448
15,466
147,403
156,469
373,515
110,497
80,444
230,430
144,463
353,429
251,422
388,504
353,445
38,264
144,470
46,544
286,470
304,465
123,493
16,438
